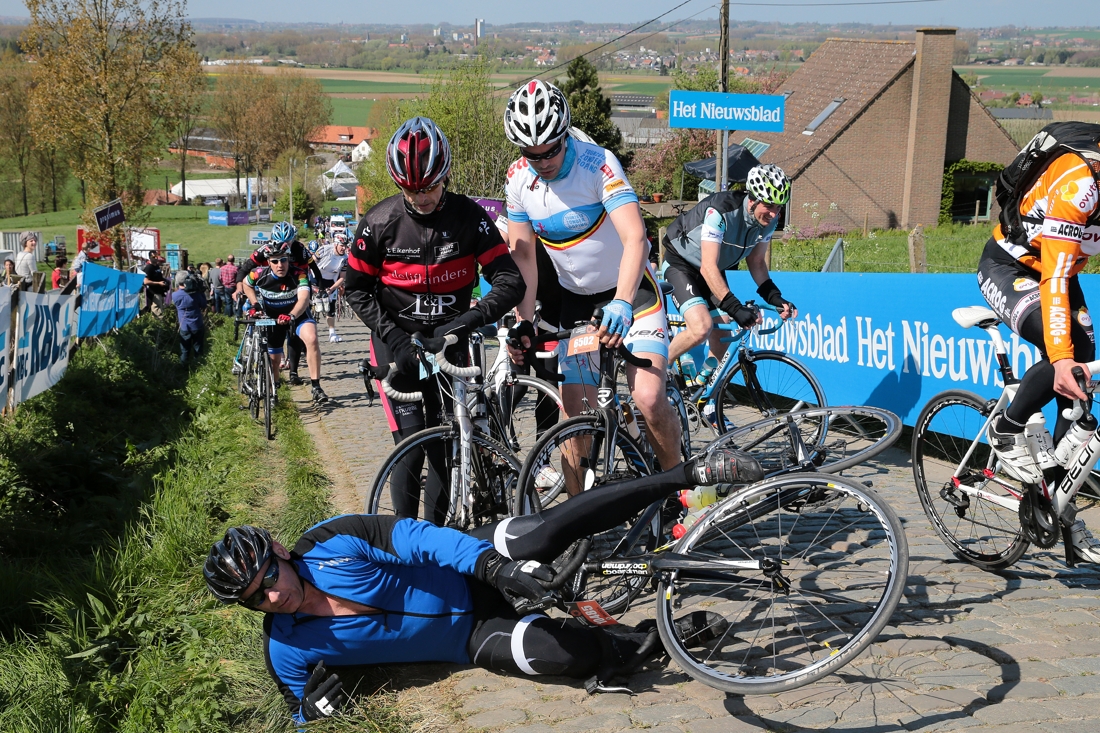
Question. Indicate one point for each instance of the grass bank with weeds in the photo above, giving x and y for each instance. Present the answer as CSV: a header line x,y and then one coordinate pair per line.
x,y
120,478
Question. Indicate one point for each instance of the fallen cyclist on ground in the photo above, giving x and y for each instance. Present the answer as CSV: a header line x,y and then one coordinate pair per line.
x,y
366,589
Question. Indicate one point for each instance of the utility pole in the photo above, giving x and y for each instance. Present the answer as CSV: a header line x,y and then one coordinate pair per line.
x,y
722,137
291,190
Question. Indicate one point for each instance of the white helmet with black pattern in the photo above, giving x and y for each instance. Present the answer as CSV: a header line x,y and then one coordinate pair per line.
x,y
537,113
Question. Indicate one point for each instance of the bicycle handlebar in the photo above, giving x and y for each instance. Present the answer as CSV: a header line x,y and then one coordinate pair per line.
x,y
1078,408
436,346
384,373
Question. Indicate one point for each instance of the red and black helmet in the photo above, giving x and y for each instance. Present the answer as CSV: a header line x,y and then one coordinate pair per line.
x,y
418,155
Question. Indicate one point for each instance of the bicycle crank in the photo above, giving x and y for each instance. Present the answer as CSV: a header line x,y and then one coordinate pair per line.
x,y
1038,520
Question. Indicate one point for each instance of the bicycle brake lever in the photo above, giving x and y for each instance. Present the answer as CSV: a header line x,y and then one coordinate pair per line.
x,y
594,685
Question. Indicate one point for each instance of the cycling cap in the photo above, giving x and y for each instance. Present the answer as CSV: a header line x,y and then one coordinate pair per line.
x,y
235,560
537,113
769,184
418,155
284,231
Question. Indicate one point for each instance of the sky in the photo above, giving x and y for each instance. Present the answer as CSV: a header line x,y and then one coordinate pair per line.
x,y
962,13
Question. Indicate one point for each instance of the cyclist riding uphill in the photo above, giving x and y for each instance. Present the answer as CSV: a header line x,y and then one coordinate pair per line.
x,y
411,269
366,589
723,230
281,291
574,197
1030,280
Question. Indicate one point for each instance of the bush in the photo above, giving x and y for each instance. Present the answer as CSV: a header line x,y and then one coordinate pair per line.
x,y
304,207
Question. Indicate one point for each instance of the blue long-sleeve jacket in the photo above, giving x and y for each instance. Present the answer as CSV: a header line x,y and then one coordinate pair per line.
x,y
412,572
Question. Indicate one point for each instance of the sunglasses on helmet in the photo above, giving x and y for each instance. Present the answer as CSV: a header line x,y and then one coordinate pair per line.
x,y
535,157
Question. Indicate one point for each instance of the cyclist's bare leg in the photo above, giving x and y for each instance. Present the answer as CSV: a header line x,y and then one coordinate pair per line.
x,y
698,324
575,399
308,334
647,388
276,362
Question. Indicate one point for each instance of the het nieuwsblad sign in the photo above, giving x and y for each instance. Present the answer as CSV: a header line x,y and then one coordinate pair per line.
x,y
721,111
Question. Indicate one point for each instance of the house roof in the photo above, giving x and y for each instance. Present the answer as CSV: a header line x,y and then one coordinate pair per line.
x,y
857,71
342,135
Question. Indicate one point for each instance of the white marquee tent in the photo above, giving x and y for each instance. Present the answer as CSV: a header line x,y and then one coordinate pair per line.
x,y
339,179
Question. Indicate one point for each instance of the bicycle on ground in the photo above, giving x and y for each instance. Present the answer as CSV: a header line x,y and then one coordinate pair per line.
x,y
982,513
252,365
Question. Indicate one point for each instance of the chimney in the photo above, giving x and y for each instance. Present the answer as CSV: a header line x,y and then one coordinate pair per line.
x,y
928,113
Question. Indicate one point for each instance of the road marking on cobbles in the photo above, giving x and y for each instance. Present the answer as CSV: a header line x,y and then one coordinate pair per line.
x,y
966,648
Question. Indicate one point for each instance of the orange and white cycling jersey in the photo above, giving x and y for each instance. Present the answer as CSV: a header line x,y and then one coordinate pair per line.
x,y
1056,209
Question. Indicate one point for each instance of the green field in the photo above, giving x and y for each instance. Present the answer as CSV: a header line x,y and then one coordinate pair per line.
x,y
655,88
1029,79
353,86
182,225
350,111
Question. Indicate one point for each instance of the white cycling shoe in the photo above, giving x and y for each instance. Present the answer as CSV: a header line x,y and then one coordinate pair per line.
x,y
548,479
1085,545
1012,451
334,338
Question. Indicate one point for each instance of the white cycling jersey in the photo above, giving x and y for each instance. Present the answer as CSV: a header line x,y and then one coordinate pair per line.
x,y
330,263
570,214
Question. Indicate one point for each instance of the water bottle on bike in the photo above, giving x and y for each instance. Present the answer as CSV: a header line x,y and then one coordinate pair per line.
x,y
708,368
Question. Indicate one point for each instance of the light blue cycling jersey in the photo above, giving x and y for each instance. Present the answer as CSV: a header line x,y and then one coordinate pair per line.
x,y
570,214
738,231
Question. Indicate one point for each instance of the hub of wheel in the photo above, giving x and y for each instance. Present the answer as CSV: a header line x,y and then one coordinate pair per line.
x,y
772,570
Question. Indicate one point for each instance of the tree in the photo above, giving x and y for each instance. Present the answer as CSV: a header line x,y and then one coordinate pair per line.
x,y
660,168
15,127
590,109
100,79
186,92
699,79
234,116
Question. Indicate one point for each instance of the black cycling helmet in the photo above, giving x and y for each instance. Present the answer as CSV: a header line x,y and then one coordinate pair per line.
x,y
235,560
276,249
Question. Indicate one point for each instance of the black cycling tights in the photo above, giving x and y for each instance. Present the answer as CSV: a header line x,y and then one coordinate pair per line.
x,y
537,644
1037,385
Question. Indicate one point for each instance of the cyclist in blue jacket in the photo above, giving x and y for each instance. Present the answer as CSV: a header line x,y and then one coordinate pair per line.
x,y
367,589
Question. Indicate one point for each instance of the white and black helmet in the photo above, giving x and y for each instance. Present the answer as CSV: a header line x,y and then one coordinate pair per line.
x,y
235,560
537,113
769,184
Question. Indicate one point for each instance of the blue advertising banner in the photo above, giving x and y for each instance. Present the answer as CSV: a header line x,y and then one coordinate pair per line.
x,y
722,111
43,335
109,299
889,340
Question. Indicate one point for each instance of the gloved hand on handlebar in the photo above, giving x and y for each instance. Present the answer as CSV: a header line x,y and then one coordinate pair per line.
x,y
284,319
769,291
742,315
253,311
404,355
618,317
517,580
462,325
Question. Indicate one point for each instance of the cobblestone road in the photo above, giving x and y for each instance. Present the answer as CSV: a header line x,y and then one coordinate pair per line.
x,y
1015,651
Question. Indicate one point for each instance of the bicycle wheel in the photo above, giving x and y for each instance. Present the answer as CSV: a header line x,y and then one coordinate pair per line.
x,y
973,506
823,439
823,566
522,409
784,385
419,476
571,454
267,395
254,380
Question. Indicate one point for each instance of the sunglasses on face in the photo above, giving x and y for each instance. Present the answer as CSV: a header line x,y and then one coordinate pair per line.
x,y
429,189
271,577
279,260
535,157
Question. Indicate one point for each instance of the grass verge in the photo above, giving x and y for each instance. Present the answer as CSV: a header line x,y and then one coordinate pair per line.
x,y
118,632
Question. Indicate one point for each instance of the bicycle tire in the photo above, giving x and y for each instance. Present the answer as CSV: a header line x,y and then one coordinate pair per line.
x,y
836,438
786,383
975,529
268,395
834,563
614,594
514,418
498,480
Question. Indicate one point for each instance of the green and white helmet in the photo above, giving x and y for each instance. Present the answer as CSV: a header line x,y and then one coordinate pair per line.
x,y
769,184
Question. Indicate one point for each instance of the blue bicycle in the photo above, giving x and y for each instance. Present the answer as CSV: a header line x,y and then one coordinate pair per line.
x,y
747,384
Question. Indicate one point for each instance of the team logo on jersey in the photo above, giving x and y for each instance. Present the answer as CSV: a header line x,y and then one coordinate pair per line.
x,y
613,185
607,170
1069,191
1023,283
577,221
1084,318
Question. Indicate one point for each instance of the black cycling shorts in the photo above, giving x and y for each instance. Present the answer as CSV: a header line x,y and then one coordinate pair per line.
x,y
279,333
689,287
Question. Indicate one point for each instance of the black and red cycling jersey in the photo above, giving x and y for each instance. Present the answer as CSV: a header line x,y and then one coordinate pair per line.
x,y
301,261
416,272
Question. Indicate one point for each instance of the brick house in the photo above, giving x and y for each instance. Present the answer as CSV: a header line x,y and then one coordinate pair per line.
x,y
341,139
871,125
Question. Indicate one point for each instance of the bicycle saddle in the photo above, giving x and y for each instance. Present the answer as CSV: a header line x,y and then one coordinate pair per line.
x,y
975,315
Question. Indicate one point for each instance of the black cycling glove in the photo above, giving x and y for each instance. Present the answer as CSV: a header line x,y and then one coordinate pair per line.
x,y
323,697
462,325
771,295
518,331
404,355
741,314
517,580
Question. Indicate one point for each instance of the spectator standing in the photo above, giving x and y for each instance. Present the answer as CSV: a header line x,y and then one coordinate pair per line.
x,y
190,302
216,286
228,276
155,285
26,262
60,273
